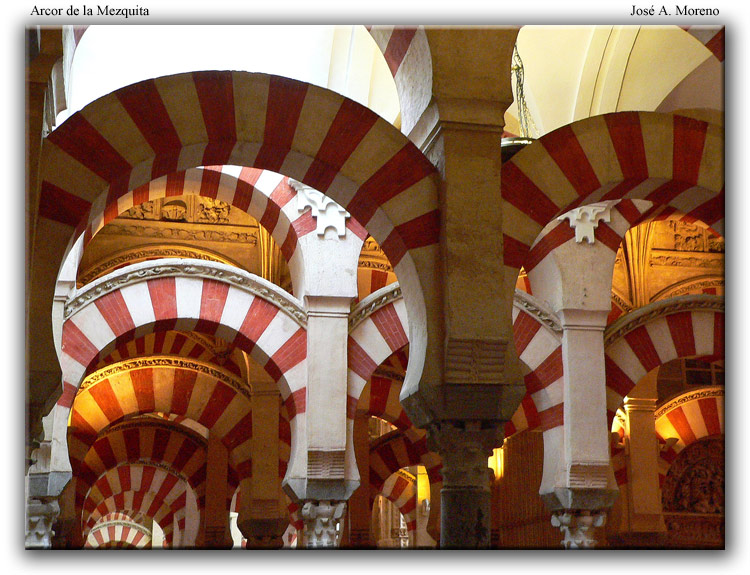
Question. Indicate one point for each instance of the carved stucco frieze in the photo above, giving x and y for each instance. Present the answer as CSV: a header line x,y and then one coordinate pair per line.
x,y
187,268
585,219
327,213
704,393
183,233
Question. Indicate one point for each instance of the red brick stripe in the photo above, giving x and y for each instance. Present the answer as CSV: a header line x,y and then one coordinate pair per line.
x,y
285,100
617,380
681,328
524,329
106,399
143,387
216,97
678,420
627,139
556,237
716,45
710,412
217,403
640,342
519,191
689,139
87,146
115,312
359,361
398,45
565,149
352,122
389,325
60,206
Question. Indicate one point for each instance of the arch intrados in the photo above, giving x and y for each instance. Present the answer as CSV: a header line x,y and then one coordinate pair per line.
x,y
164,510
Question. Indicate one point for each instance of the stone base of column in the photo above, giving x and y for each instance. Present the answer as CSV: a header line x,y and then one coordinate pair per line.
x,y
465,518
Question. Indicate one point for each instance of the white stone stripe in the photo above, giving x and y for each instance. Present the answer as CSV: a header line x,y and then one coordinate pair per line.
x,y
400,307
188,295
695,420
368,337
138,301
92,324
276,334
690,199
703,332
296,378
626,359
539,348
236,306
661,337
354,385
550,396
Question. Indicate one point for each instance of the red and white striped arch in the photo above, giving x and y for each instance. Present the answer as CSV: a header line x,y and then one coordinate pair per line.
x,y
372,341
153,493
118,531
169,343
401,489
655,334
157,127
203,394
688,418
539,347
214,307
673,161
394,451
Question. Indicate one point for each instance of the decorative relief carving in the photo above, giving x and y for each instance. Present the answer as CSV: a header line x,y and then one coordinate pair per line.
x,y
325,464
692,286
188,209
184,234
586,219
474,360
543,315
373,303
686,261
211,211
578,527
40,516
588,475
187,268
464,449
621,302
148,252
695,481
169,362
631,321
326,211
373,257
322,523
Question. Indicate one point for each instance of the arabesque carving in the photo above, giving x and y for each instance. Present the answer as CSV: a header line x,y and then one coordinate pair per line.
x,y
373,303
695,481
537,310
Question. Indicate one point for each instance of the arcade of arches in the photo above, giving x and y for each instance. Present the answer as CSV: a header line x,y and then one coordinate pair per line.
x,y
262,315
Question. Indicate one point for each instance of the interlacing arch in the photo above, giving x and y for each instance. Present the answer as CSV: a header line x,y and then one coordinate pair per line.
x,y
267,122
673,161
680,327
401,490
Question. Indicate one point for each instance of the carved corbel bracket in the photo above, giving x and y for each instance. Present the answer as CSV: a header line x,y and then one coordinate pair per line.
x,y
586,219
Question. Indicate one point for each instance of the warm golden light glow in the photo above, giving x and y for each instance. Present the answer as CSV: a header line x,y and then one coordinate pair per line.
x,y
496,462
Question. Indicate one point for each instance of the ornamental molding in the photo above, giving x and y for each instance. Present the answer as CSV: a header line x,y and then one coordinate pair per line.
x,y
381,371
183,233
645,314
166,361
372,303
544,315
674,403
149,252
621,302
131,525
585,219
694,261
691,285
148,270
327,213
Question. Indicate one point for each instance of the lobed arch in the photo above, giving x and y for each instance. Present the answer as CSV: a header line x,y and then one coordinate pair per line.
x,y
172,386
675,328
318,137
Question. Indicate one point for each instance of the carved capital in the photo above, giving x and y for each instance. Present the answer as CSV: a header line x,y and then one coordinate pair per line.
x,y
322,523
327,212
586,219
40,516
578,527
464,448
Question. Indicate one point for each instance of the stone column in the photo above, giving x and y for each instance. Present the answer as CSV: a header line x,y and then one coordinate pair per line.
x,y
323,523
359,511
644,526
215,532
589,490
466,496
262,518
